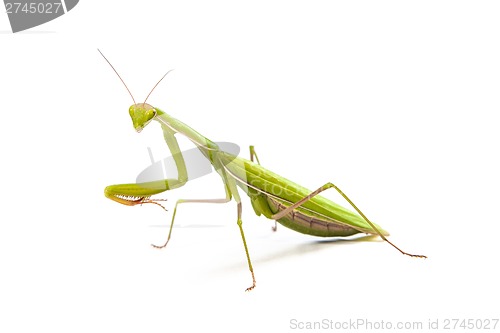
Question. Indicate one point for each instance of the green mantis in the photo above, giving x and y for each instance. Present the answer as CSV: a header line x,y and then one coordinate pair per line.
x,y
271,195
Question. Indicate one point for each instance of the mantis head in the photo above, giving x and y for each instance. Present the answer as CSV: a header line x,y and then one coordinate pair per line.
x,y
141,114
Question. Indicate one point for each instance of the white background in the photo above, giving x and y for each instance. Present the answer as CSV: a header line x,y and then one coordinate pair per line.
x,y
394,101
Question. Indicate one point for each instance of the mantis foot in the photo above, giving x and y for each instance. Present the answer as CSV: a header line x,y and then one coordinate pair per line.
x,y
253,284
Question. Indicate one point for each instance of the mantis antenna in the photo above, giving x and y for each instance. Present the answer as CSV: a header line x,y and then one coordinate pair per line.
x,y
156,86
120,76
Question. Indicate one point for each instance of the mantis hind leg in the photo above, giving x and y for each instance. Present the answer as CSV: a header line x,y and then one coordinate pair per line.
x,y
252,155
327,186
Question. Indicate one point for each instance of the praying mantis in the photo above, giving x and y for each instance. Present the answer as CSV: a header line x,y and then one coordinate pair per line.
x,y
271,195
